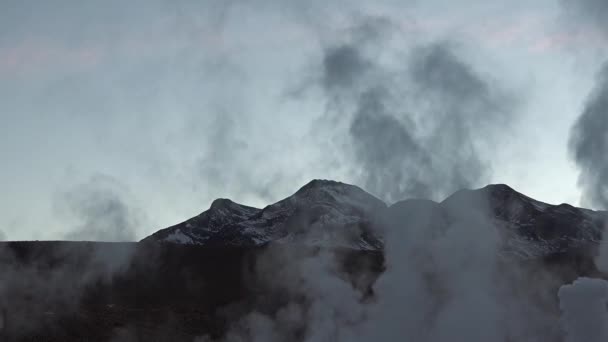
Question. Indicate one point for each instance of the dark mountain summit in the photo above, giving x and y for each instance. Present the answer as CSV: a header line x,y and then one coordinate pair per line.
x,y
334,214
322,212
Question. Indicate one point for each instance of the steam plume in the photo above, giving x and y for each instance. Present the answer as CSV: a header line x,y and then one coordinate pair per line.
x,y
416,127
584,310
101,210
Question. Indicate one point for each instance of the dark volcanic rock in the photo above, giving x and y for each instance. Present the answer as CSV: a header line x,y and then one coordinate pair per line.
x,y
322,213
201,228
60,291
333,214
198,277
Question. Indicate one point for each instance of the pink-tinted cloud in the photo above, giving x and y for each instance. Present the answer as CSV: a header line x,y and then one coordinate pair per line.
x,y
31,56
529,32
567,40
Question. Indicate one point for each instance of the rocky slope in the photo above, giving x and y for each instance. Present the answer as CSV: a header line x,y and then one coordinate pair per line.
x,y
324,213
334,214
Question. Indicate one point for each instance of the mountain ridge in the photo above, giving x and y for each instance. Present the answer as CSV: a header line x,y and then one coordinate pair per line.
x,y
335,214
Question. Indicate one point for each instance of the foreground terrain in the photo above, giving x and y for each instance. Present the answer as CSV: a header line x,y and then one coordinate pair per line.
x,y
86,291
73,291
317,263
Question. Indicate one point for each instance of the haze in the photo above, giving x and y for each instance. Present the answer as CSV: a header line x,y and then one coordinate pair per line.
x,y
138,114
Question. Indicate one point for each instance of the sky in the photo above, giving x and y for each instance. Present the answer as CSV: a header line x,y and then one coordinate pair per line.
x,y
120,118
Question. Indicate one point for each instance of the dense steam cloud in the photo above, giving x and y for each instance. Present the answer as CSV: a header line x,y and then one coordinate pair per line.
x,y
589,143
416,126
584,303
588,140
102,211
588,136
323,305
41,290
37,292
446,279
588,14
585,310
184,102
417,123
183,87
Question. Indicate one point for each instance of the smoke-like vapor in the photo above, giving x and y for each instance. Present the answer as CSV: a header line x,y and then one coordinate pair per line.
x,y
57,275
417,126
51,284
390,157
588,14
584,306
415,129
322,302
584,303
37,292
221,165
588,139
154,76
589,143
102,211
445,280
461,289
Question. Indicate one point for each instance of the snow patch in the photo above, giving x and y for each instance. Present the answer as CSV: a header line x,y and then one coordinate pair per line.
x,y
179,237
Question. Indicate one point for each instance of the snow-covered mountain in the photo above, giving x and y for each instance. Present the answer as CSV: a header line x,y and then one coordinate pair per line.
x,y
334,214
323,212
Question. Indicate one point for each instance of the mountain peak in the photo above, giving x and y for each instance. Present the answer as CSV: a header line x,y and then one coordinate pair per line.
x,y
489,192
499,187
331,213
323,212
321,190
221,203
321,183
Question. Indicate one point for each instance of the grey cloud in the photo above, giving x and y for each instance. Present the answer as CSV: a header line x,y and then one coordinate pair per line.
x,y
386,150
159,73
223,145
589,143
440,284
583,304
443,271
102,211
82,21
223,166
348,64
411,130
588,139
343,66
418,128
440,73
590,13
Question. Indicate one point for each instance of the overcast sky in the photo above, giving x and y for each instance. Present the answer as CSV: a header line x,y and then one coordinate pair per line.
x,y
137,114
